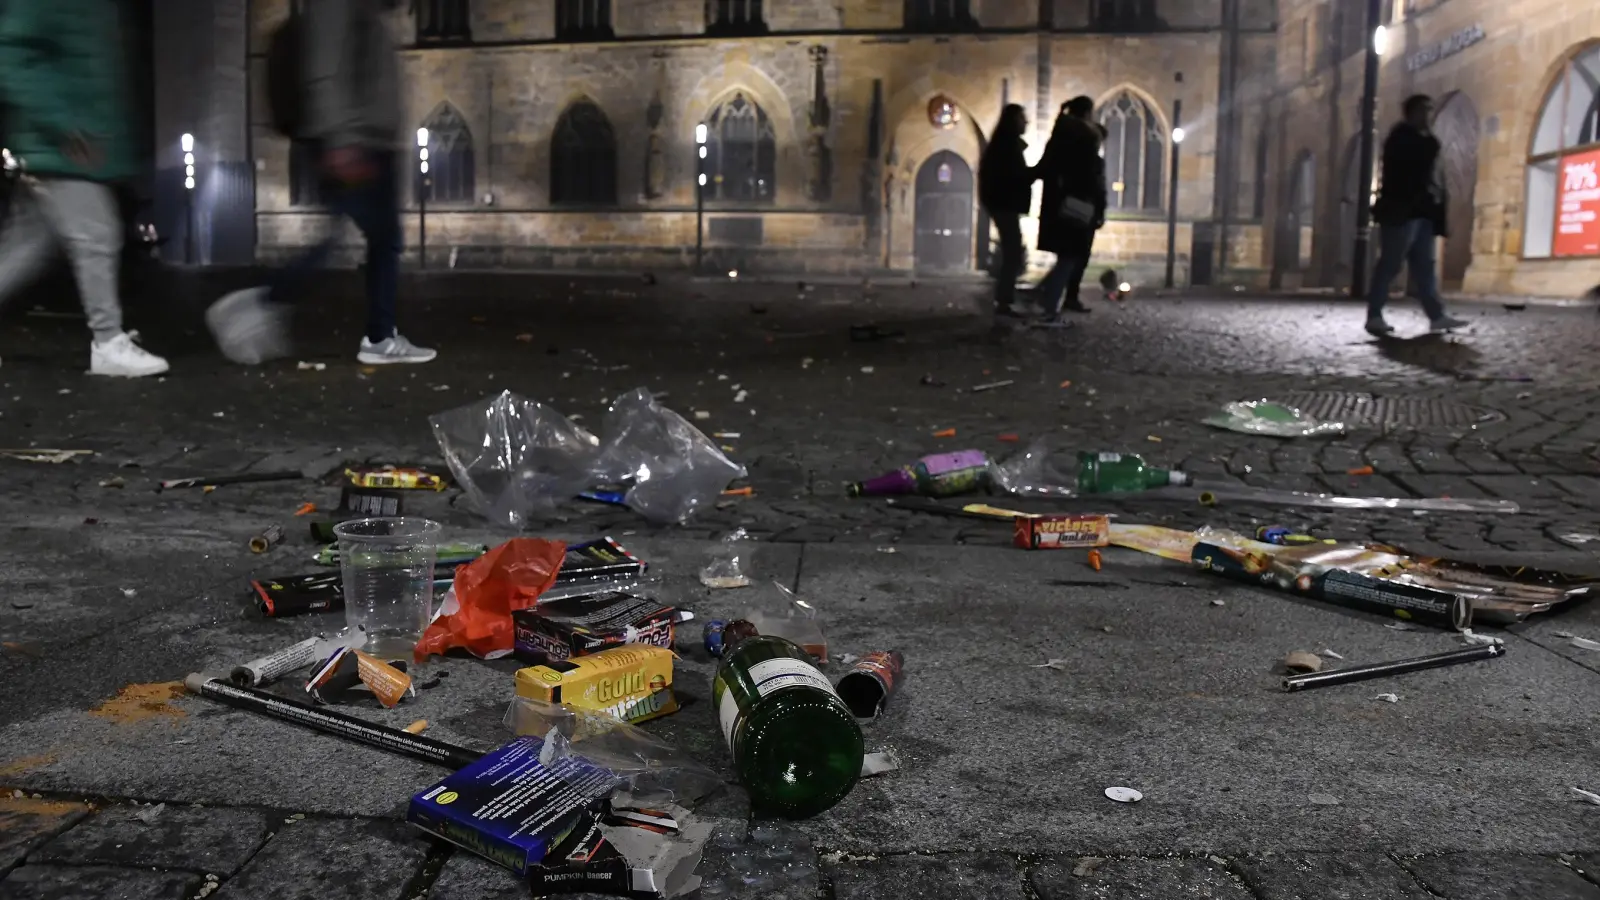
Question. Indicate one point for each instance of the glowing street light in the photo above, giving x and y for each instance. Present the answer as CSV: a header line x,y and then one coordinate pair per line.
x,y
186,142
702,134
1380,40
422,197
1178,135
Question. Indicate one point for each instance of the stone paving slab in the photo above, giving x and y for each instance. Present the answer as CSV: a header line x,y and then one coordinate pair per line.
x,y
1467,876
1135,879
198,839
26,823
45,882
1340,876
332,859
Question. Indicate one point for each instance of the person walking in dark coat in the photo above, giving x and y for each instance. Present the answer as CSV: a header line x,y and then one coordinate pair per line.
x,y
1073,206
1005,188
1410,212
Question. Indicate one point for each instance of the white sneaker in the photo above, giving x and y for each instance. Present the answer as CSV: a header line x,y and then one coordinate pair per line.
x,y
249,329
120,357
395,349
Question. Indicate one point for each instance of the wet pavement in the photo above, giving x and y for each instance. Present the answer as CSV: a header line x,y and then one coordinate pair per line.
x,y
1463,789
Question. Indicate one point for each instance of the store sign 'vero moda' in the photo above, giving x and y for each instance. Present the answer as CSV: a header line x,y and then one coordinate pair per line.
x,y
1445,49
1578,206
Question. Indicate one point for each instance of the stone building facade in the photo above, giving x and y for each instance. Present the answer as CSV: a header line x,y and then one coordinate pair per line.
x,y
1517,93
843,135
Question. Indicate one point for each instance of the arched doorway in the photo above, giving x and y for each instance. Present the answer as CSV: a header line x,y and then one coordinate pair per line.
x,y
1456,127
944,214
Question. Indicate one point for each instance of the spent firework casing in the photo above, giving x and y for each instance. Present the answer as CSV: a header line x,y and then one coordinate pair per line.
x,y
275,665
578,626
348,667
270,537
870,682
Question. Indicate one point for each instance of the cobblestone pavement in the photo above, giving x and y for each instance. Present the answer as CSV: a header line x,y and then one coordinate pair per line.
x,y
1462,790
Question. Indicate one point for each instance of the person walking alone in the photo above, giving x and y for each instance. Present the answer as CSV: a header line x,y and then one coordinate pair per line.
x,y
1073,206
1411,214
1005,188
350,78
67,123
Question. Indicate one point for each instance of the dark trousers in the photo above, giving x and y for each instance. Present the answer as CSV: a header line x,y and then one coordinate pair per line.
x,y
1411,244
1009,224
1062,286
374,206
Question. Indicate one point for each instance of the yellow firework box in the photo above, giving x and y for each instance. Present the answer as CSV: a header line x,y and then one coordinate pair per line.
x,y
632,682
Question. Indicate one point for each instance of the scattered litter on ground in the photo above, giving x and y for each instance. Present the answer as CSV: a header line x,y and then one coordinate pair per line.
x,y
417,727
129,592
888,550
1301,661
881,763
1124,794
1324,799
114,481
701,415
1059,665
1468,636
1580,538
1218,603
936,475
1009,438
945,433
1361,470
215,481
1590,796
991,386
726,435
867,370
149,814
1264,417
1398,626
1329,654
39,455
1087,865
1094,560
1066,384
1061,532
1386,669
1585,644
1388,698
746,491
270,537
729,559
311,366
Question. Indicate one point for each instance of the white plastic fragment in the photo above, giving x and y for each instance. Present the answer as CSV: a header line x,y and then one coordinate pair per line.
x,y
1388,698
1057,664
1585,644
1330,654
1590,796
1124,794
880,763
1324,799
1398,626
1468,636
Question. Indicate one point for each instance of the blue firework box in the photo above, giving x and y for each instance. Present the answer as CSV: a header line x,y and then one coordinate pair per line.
x,y
509,808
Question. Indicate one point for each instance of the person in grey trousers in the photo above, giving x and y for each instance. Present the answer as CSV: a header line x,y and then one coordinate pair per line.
x,y
68,136
353,119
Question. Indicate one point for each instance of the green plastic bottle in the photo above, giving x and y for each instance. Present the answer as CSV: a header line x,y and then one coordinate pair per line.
x,y
1112,473
796,747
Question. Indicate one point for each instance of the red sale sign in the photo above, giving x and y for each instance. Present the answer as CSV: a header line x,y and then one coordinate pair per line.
x,y
1578,206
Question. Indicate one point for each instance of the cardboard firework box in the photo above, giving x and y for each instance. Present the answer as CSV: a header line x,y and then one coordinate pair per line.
x,y
579,626
631,683
1061,532
511,809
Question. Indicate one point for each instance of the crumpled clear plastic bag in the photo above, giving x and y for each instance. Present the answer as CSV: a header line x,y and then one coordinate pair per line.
x,y
516,458
652,770
1270,419
1032,473
781,612
729,559
671,467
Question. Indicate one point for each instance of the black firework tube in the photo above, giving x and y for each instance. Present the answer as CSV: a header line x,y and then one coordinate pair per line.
x,y
1398,667
870,682
327,721
220,480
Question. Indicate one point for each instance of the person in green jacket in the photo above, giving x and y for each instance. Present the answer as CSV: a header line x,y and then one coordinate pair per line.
x,y
66,122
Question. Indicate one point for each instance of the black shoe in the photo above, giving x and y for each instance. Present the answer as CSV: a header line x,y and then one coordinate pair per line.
x,y
1009,312
1076,308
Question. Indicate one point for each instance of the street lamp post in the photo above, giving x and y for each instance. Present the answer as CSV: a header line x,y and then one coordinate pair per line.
x,y
422,198
700,135
1172,192
187,142
1369,126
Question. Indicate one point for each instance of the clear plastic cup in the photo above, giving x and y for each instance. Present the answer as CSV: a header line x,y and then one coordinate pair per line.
x,y
387,564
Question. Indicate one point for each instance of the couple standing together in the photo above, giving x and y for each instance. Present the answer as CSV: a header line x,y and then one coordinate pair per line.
x,y
1073,208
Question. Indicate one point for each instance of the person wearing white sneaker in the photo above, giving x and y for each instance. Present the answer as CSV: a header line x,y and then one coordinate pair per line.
x,y
1410,212
349,112
66,120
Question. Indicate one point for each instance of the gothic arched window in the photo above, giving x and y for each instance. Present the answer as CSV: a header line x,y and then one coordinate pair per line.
x,y
442,20
735,17
1564,164
451,175
583,157
742,153
1136,145
1126,15
583,20
939,15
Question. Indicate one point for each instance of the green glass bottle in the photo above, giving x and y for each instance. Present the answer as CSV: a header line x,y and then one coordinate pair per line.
x,y
1111,473
796,747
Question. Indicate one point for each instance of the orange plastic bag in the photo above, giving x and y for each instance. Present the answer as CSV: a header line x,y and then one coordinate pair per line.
x,y
487,591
